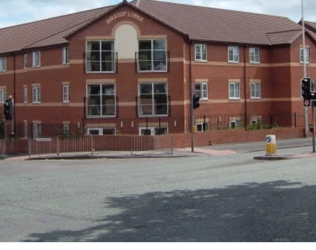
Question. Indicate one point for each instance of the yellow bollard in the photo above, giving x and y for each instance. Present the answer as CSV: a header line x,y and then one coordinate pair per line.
x,y
194,129
270,145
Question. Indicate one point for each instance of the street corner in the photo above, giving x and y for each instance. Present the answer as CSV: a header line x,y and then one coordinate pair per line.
x,y
283,157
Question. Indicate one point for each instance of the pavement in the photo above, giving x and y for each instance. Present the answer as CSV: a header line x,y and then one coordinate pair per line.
x,y
216,150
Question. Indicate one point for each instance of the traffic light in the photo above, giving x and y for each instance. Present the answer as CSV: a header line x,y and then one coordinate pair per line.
x,y
8,110
306,85
196,101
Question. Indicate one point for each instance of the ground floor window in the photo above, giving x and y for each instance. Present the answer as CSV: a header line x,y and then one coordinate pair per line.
x,y
101,131
202,127
153,131
37,130
235,123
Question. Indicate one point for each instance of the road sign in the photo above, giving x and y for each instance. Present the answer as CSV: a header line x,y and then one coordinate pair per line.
x,y
268,139
307,103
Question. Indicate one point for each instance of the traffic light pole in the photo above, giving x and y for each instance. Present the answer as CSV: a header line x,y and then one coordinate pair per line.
x,y
313,118
192,118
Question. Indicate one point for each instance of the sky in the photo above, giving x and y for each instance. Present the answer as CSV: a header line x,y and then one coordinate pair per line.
x,y
13,12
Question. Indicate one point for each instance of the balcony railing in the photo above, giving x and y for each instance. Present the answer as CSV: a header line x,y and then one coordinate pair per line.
x,y
107,62
152,61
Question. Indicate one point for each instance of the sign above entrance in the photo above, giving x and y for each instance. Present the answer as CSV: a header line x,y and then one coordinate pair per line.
x,y
124,14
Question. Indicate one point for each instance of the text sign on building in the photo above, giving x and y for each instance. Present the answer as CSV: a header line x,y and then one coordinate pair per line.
x,y
124,14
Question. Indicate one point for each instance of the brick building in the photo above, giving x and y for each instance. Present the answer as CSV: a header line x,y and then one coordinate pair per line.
x,y
127,69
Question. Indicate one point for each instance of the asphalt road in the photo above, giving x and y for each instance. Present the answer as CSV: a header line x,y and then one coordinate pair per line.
x,y
229,198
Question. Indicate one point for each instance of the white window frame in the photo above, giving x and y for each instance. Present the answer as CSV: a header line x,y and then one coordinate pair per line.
x,y
100,131
26,129
3,95
235,53
66,94
36,59
307,51
201,125
202,53
152,55
37,130
140,113
254,55
66,129
87,97
25,95
3,64
36,94
255,88
255,121
100,60
65,55
152,130
203,90
235,97
25,61
237,123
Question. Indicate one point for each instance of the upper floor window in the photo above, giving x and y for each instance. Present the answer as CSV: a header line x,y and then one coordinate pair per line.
x,y
100,56
36,94
233,54
234,91
152,55
25,61
255,90
254,54
36,59
201,90
65,55
306,55
65,93
200,52
153,99
3,95
101,100
3,64
25,94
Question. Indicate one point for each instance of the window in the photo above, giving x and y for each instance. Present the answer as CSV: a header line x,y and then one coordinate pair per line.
x,y
254,54
152,55
101,131
3,95
235,123
101,100
202,126
234,92
201,90
65,93
255,90
100,56
306,55
25,61
233,54
65,55
255,121
3,64
36,59
66,130
25,130
25,94
37,130
36,94
153,99
200,52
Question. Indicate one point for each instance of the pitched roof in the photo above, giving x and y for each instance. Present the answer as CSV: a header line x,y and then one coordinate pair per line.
x,y
18,37
309,25
199,23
